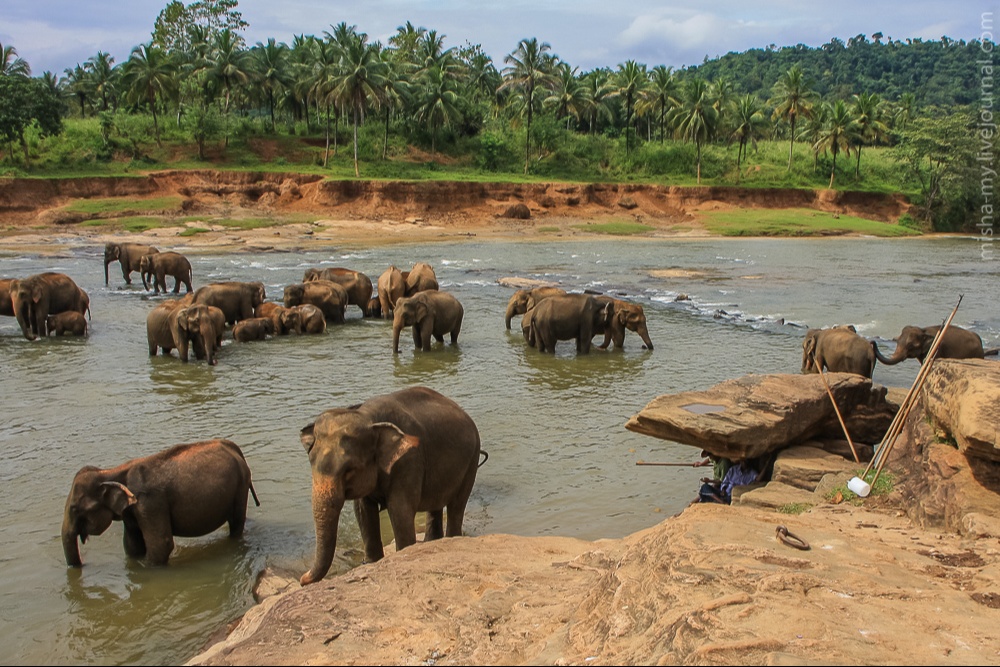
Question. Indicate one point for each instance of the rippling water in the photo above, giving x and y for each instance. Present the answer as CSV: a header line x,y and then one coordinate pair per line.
x,y
560,460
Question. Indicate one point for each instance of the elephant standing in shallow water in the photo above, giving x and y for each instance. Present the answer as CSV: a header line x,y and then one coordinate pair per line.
x,y
129,254
838,350
186,491
624,315
410,451
237,300
574,316
524,300
915,342
36,297
431,314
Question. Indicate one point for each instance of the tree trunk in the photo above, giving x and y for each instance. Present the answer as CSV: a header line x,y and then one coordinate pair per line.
x,y
857,168
24,145
791,144
357,174
698,145
385,142
326,152
833,169
527,136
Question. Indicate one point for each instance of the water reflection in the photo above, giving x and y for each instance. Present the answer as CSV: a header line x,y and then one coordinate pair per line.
x,y
429,368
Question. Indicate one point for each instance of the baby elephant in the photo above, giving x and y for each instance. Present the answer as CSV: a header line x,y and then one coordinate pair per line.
x,y
187,490
69,323
256,328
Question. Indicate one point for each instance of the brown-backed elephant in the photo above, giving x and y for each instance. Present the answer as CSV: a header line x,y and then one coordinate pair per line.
x,y
172,325
430,313
410,451
36,297
420,279
573,316
155,267
129,254
838,350
624,315
306,318
328,296
237,300
915,342
524,300
391,288
274,311
256,328
187,490
69,322
6,305
358,285
374,307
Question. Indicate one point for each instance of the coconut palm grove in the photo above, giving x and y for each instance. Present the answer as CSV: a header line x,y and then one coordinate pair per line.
x,y
872,113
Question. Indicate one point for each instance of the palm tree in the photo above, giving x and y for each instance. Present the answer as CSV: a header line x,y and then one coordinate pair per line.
x,y
696,118
867,109
360,81
11,64
904,111
101,70
149,73
438,102
79,85
325,70
793,97
271,65
725,97
749,122
229,66
406,40
599,93
814,127
527,70
569,95
840,133
629,82
662,94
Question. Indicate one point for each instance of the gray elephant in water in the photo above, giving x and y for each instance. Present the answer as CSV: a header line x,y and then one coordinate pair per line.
x,y
155,267
174,325
625,315
573,316
129,254
524,300
187,490
237,300
358,286
410,451
431,314
915,342
36,297
838,350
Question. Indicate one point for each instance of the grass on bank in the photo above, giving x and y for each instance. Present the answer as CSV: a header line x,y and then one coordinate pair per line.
x,y
112,205
615,228
883,486
794,222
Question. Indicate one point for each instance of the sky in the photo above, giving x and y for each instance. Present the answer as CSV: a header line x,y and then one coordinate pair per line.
x,y
55,35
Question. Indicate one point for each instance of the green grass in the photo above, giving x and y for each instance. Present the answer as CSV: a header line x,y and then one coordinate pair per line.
x,y
795,508
548,229
122,204
134,223
615,228
883,486
191,231
794,222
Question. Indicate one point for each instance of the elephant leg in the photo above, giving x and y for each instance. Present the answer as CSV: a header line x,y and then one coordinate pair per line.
x,y
238,517
126,274
607,341
158,535
454,333
434,529
401,516
177,285
366,512
135,546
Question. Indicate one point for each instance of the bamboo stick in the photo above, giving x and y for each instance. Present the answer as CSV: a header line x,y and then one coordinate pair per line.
x,y
682,465
836,409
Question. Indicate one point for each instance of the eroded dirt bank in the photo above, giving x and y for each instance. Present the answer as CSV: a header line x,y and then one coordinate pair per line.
x,y
25,201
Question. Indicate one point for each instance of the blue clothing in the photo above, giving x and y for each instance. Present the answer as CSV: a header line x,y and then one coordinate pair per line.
x,y
739,474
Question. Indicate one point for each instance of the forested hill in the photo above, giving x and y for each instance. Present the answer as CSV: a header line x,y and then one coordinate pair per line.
x,y
937,72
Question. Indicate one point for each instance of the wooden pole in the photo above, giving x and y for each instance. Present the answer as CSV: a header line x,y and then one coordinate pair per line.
x,y
840,418
896,426
681,465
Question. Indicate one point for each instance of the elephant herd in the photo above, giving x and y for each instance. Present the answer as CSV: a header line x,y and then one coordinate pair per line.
x,y
841,349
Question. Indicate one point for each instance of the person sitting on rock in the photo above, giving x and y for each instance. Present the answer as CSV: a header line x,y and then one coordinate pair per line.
x,y
741,473
709,492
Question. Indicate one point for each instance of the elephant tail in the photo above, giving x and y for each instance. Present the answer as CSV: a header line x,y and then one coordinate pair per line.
x,y
486,457
253,492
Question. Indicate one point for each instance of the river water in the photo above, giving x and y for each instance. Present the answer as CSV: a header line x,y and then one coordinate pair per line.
x,y
561,462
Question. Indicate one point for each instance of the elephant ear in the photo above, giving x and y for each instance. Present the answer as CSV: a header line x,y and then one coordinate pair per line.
x,y
117,497
392,445
182,319
307,438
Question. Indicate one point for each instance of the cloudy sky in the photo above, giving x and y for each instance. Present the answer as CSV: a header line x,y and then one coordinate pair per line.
x,y
57,34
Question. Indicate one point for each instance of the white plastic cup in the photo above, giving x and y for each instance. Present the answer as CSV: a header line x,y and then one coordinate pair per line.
x,y
859,486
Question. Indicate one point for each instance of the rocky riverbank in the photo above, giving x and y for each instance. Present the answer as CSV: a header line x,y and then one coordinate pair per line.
x,y
908,577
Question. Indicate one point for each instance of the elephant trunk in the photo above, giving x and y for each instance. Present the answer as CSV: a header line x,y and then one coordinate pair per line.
x,y
71,545
327,502
897,356
644,335
397,326
509,315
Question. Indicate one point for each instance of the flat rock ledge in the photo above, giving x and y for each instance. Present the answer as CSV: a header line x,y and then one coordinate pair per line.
x,y
756,415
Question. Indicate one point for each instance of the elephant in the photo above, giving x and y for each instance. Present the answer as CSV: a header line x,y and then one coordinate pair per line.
x,y
391,288
374,307
307,319
157,266
838,350
36,297
410,451
274,312
358,285
576,316
237,300
420,279
915,342
430,313
187,490
172,325
625,315
6,306
328,296
256,328
524,300
68,322
129,254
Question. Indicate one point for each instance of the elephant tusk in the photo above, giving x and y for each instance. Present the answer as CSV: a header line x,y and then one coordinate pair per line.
x,y
128,494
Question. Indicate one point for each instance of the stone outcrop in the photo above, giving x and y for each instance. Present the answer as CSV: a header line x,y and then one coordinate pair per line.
x,y
962,397
758,414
